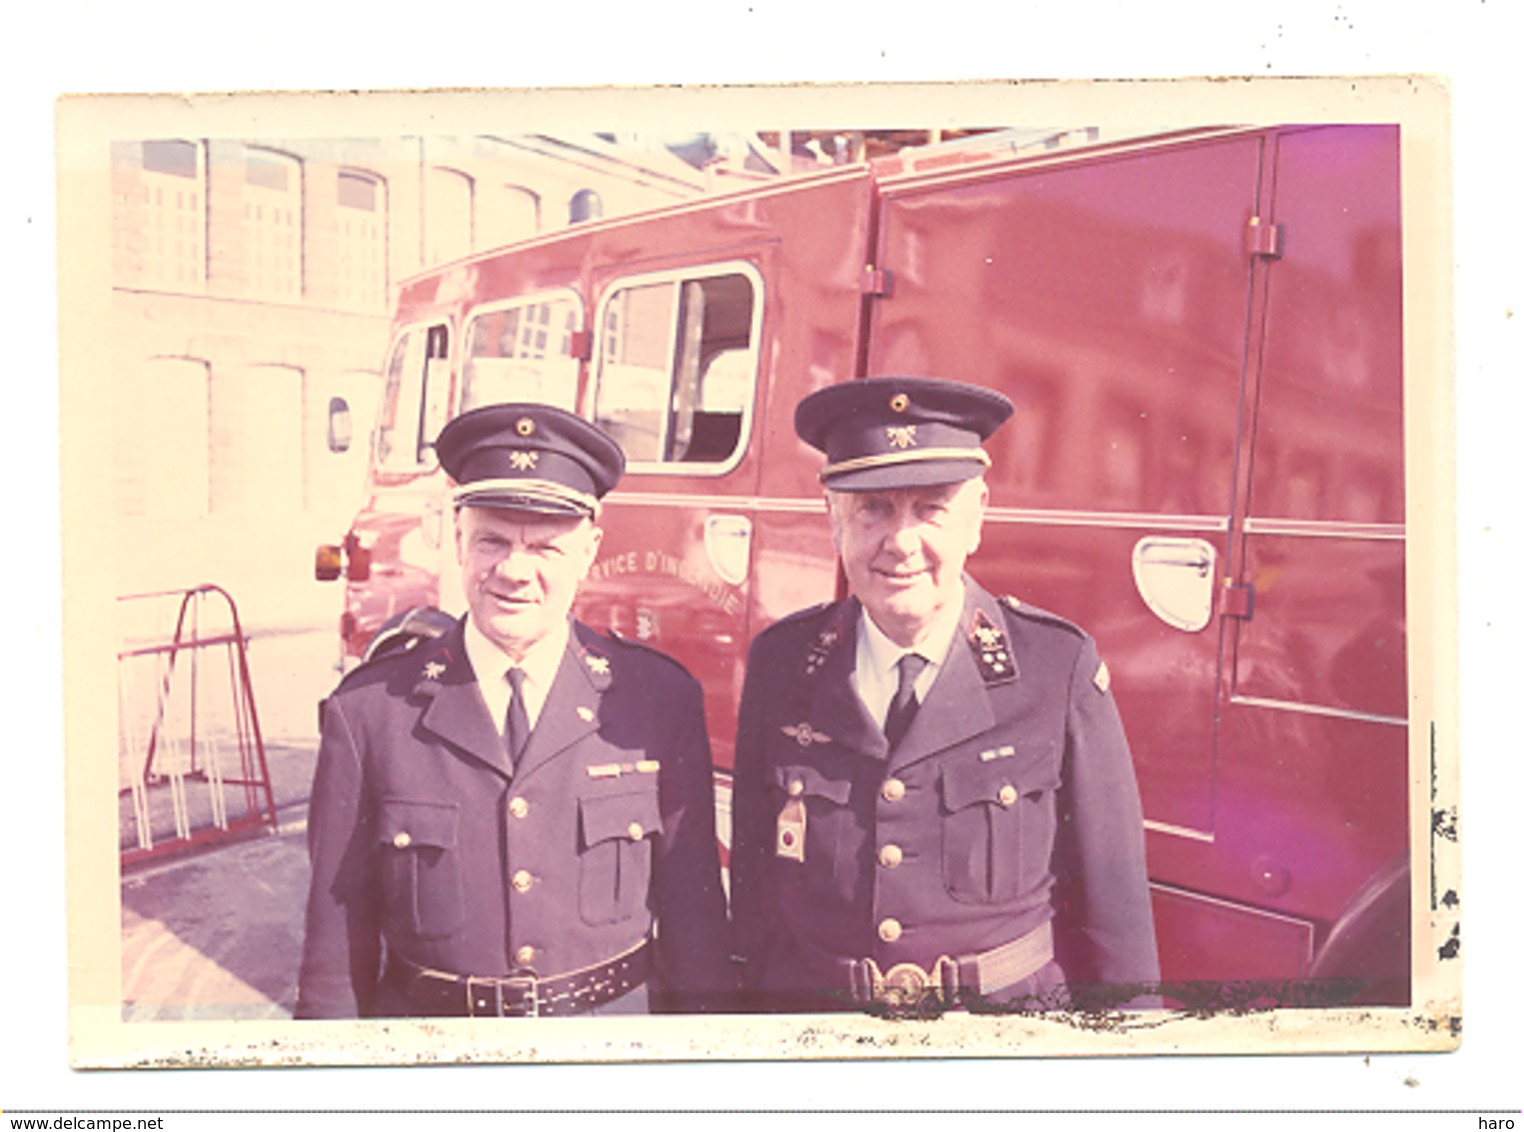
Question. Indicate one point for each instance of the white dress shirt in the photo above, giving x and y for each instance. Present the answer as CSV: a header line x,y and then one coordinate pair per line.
x,y
491,665
877,674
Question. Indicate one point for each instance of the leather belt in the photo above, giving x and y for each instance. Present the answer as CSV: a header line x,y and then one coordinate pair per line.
x,y
949,980
520,995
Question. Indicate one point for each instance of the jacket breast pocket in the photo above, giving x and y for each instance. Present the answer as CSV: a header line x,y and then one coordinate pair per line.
x,y
997,822
615,850
420,867
822,854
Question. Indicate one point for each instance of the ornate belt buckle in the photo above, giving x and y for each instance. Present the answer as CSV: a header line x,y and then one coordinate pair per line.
x,y
905,986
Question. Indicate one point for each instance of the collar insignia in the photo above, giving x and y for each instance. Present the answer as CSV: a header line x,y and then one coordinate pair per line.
x,y
523,461
1102,678
805,735
901,436
433,670
821,648
992,652
585,714
599,665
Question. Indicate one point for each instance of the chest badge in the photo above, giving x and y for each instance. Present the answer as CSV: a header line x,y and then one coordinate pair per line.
x,y
805,735
790,839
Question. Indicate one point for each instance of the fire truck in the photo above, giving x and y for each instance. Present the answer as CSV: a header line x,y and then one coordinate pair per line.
x,y
1202,334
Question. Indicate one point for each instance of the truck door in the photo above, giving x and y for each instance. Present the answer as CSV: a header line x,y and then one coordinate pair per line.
x,y
1313,729
1107,296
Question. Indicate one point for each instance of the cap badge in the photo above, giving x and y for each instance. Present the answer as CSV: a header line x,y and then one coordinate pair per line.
x,y
804,734
523,461
901,437
899,402
524,426
433,670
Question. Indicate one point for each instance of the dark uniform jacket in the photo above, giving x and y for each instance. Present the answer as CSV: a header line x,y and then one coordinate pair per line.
x,y
419,829
1010,802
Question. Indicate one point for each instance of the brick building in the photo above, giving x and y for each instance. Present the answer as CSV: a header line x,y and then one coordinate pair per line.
x,y
251,289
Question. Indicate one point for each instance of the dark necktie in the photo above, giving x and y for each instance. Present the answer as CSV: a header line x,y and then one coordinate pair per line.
x,y
903,708
516,726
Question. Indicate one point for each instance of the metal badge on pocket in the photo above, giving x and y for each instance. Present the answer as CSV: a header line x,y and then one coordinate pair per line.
x,y
791,830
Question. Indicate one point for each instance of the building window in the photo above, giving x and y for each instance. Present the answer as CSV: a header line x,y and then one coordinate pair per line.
x,y
510,213
447,225
174,215
362,240
522,352
272,214
677,367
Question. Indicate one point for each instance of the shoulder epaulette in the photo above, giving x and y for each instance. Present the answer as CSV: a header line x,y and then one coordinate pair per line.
x,y
375,662
1032,612
599,664
803,614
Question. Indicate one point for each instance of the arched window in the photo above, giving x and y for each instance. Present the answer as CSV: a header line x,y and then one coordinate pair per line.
x,y
362,240
173,189
447,215
511,213
272,213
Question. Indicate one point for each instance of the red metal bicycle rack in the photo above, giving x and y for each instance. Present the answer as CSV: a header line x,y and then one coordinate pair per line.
x,y
175,777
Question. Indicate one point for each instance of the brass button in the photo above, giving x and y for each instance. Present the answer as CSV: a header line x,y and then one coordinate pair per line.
x,y
518,807
524,956
893,790
636,831
796,788
890,856
522,881
402,840
1007,795
890,930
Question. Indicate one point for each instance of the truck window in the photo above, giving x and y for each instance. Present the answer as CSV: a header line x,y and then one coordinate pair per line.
x,y
416,400
677,367
522,352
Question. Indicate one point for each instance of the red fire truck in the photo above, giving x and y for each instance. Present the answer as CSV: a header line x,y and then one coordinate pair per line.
x,y
1202,335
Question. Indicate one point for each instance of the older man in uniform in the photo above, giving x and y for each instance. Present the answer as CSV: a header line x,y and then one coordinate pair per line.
x,y
516,817
934,801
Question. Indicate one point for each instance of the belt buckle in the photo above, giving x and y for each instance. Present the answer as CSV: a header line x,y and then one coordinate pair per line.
x,y
486,997
904,986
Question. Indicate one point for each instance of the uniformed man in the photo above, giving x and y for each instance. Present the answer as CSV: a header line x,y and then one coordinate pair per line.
x,y
516,817
934,801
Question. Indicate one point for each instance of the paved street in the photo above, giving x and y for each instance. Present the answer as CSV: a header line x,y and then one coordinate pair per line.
x,y
216,933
